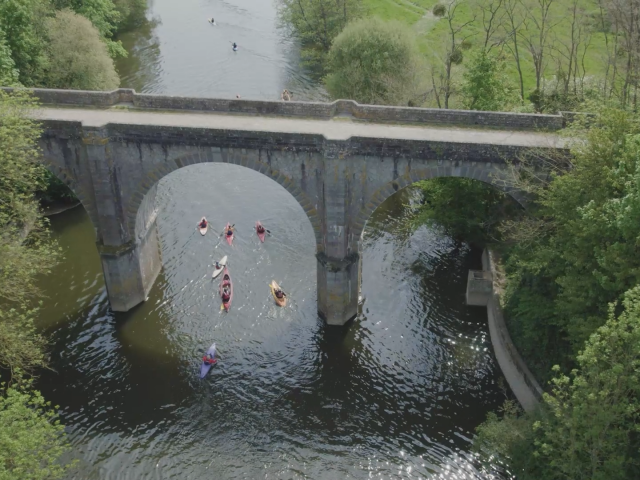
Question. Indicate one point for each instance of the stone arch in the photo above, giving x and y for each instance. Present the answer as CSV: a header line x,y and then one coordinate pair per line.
x,y
69,180
244,160
381,194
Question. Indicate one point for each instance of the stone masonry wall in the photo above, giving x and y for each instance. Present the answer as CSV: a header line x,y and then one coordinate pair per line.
x,y
372,113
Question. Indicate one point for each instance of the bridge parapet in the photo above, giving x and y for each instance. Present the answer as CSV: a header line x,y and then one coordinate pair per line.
x,y
316,110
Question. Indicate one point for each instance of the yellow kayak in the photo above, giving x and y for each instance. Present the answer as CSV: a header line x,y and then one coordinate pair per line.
x,y
280,301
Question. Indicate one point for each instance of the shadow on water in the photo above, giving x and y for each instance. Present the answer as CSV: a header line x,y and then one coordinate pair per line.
x,y
397,393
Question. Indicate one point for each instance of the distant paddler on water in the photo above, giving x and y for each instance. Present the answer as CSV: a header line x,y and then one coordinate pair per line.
x,y
211,21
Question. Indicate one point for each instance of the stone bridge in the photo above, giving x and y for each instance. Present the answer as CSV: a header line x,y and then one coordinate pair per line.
x,y
339,161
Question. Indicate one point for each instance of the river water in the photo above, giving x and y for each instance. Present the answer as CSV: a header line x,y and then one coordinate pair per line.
x,y
398,394
178,52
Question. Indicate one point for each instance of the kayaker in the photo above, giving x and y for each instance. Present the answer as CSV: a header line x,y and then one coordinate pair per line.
x,y
260,229
286,96
208,359
203,223
235,47
230,232
279,293
226,295
218,266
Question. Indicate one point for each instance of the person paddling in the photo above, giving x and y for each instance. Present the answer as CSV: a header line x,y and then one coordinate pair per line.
x,y
235,47
230,231
203,223
208,359
226,295
279,293
260,229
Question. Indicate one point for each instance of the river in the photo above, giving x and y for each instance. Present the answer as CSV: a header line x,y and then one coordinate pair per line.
x,y
396,395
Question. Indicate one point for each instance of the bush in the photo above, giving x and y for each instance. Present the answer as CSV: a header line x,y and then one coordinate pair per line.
x,y
374,62
439,10
31,438
78,57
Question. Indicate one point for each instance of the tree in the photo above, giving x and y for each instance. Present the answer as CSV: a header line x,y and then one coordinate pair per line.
x,y
465,209
539,21
374,62
78,58
9,75
104,15
22,23
315,23
587,428
486,85
26,249
457,36
31,438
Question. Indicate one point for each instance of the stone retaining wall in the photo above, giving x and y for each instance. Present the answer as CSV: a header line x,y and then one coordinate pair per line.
x,y
520,379
349,108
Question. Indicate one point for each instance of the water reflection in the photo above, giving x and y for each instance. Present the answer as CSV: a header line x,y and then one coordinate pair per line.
x,y
398,394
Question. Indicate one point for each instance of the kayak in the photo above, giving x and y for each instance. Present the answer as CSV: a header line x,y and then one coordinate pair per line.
x,y
204,368
203,231
218,271
228,237
260,235
226,281
282,302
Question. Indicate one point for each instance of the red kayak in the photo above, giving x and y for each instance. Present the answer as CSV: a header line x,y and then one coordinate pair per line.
x,y
260,235
228,237
226,283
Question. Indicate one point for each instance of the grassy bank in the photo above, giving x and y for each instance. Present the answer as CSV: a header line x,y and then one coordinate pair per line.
x,y
432,35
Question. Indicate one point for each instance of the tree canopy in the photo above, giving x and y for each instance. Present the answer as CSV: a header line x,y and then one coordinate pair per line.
x,y
374,62
30,438
79,59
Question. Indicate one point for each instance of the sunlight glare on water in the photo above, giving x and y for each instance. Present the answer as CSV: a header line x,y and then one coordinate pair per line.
x,y
396,395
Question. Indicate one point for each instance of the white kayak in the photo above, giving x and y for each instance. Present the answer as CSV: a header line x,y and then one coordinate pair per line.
x,y
218,271
203,231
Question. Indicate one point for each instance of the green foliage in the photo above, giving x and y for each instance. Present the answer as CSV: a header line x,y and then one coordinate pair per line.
x,y
374,62
26,249
317,22
103,15
588,426
79,59
466,209
31,437
486,86
9,75
22,23
583,257
21,346
506,439
55,190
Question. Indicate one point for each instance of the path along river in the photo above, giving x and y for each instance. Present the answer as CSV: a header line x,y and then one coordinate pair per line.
x,y
398,395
